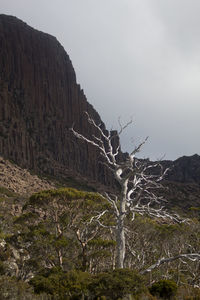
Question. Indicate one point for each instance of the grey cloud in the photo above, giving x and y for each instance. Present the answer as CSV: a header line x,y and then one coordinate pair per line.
x,y
181,21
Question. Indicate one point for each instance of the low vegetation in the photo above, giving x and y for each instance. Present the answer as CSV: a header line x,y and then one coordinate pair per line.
x,y
52,247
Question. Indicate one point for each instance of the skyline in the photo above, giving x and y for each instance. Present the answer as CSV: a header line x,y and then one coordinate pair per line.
x,y
132,58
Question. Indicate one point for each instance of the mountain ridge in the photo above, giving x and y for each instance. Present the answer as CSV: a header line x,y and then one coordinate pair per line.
x,y
40,100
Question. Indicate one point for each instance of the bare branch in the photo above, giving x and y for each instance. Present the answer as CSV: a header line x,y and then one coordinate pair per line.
x,y
123,127
190,256
113,203
138,148
97,220
100,146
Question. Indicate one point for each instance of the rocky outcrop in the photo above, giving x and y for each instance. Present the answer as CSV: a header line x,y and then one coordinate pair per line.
x,y
185,169
182,182
39,101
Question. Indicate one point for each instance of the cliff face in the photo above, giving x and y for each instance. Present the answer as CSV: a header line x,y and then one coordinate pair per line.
x,y
185,169
183,182
39,101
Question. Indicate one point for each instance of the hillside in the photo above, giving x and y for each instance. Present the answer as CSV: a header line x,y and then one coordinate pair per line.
x,y
19,180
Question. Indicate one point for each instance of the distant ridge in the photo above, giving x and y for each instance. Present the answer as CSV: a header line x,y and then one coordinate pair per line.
x,y
185,169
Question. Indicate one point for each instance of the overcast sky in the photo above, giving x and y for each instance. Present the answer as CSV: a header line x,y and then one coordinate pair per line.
x,y
133,58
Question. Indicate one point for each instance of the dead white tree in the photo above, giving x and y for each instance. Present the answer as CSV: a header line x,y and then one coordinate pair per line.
x,y
138,180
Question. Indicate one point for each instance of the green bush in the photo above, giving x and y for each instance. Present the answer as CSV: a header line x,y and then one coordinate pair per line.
x,y
76,284
164,288
70,285
116,284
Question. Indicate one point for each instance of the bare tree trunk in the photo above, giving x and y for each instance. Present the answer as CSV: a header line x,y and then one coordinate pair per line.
x,y
84,248
60,258
84,257
58,234
120,242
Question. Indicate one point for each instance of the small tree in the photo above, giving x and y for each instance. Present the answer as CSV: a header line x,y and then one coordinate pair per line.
x,y
138,181
61,229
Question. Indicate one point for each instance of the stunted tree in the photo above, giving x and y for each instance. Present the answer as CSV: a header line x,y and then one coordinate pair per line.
x,y
62,232
138,181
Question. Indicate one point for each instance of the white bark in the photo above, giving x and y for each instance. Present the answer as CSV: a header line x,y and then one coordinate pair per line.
x,y
190,256
137,182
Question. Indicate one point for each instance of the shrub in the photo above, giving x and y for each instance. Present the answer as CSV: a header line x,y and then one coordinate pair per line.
x,y
76,284
116,284
70,285
164,288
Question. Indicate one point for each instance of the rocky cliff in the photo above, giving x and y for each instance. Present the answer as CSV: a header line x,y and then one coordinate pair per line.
x,y
185,169
39,101
183,182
